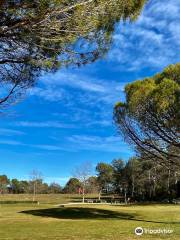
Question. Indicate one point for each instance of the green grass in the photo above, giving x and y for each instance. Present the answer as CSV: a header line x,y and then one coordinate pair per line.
x,y
26,221
45,198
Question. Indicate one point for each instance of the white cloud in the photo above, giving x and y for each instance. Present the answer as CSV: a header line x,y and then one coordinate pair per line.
x,y
47,124
97,143
49,94
74,81
153,41
38,146
47,147
10,142
89,100
165,8
10,132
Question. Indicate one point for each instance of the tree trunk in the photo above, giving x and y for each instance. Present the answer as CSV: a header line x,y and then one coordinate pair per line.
x,y
125,196
154,184
83,194
99,196
34,191
168,185
154,190
132,193
150,190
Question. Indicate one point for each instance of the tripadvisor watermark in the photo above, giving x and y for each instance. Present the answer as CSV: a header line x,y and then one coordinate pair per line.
x,y
140,231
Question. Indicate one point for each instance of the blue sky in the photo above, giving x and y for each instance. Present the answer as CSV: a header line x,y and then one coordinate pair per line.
x,y
66,119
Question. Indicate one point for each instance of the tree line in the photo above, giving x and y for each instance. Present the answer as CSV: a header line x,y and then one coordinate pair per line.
x,y
33,186
137,179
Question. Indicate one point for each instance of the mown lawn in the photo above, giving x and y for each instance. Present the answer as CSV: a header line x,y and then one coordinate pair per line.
x,y
85,222
44,198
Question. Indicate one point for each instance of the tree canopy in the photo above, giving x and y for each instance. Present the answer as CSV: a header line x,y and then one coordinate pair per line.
x,y
105,174
72,186
42,35
150,116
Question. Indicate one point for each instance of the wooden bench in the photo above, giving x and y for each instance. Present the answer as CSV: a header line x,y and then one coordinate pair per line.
x,y
89,200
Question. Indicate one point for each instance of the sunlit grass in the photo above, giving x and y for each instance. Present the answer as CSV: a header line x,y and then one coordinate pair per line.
x,y
84,222
45,198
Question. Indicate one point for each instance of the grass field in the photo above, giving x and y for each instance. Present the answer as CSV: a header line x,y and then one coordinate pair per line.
x,y
27,221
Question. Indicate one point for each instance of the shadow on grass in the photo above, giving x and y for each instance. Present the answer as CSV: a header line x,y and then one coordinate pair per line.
x,y
87,213
78,213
